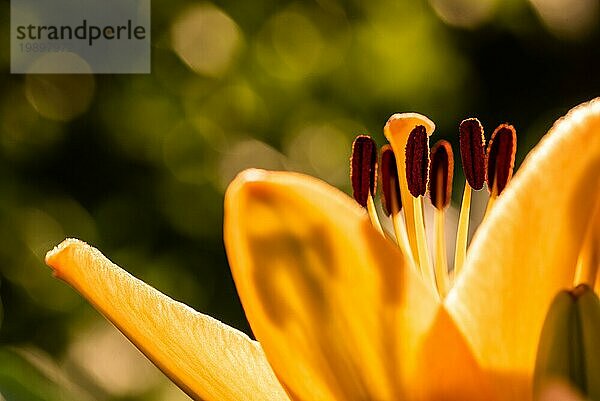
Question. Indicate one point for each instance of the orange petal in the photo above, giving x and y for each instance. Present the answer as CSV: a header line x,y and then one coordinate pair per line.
x,y
340,313
526,250
209,360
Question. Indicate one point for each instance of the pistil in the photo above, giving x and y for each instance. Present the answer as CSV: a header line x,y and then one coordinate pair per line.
x,y
363,174
397,130
440,192
472,153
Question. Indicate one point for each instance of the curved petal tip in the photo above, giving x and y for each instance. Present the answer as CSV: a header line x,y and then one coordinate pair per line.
x,y
55,256
250,175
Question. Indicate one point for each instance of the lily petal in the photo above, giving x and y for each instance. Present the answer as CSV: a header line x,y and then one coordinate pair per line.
x,y
209,360
336,306
526,250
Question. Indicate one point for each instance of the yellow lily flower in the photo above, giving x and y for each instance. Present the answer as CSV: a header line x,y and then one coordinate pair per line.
x,y
342,313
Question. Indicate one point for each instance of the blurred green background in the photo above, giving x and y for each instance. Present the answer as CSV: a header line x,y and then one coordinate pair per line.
x,y
137,164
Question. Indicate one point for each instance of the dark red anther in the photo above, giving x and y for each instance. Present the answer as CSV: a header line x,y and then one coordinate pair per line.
x,y
442,171
417,161
390,185
363,168
500,160
472,152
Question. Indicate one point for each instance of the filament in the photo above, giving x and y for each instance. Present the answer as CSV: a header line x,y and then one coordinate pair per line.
x,y
424,260
441,265
400,229
372,210
462,234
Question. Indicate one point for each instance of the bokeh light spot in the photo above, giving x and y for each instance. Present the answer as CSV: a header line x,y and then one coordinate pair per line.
x,y
406,59
290,46
570,19
206,39
464,13
39,230
248,154
36,231
108,357
321,150
24,133
59,97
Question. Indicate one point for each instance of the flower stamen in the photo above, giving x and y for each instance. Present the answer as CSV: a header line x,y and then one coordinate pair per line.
x,y
500,161
417,172
363,174
440,192
472,153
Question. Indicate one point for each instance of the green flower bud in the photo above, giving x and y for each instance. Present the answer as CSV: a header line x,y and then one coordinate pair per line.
x,y
569,346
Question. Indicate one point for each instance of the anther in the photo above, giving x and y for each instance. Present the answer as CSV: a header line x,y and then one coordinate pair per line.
x,y
363,168
363,174
442,170
472,152
500,159
389,180
417,161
